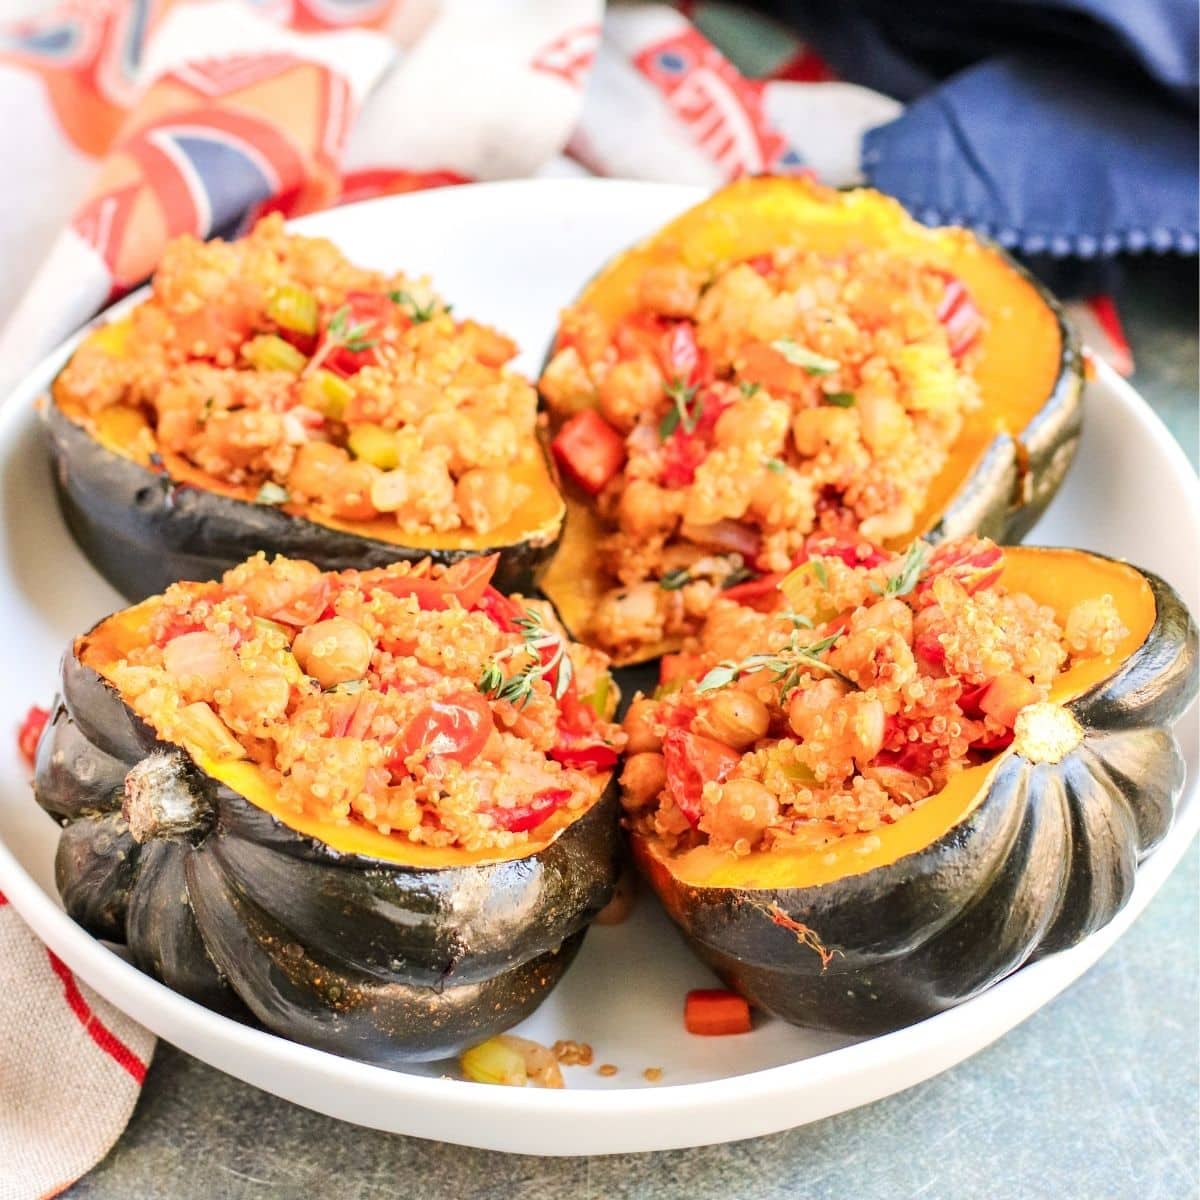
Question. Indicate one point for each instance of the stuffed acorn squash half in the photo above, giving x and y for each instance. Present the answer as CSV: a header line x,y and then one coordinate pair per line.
x,y
785,360
271,395
374,808
908,775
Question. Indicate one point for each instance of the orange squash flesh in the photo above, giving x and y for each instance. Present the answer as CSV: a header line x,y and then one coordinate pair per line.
x,y
1021,362
112,640
1057,578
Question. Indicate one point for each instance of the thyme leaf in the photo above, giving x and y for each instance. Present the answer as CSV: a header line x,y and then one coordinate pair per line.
x,y
418,312
910,571
518,687
673,580
684,410
840,399
786,665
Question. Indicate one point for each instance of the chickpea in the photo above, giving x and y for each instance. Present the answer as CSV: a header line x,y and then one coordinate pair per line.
x,y
736,718
814,429
499,442
451,432
882,418
867,727
630,389
759,421
646,509
313,467
894,522
807,708
485,498
743,812
198,661
889,613
639,726
333,651
290,586
644,777
670,289
349,493
257,694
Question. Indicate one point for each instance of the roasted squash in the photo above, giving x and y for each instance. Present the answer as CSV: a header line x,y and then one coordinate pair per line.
x,y
336,935
269,395
1012,452
1014,859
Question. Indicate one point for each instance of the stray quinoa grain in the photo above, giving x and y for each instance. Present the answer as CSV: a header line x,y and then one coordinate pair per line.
x,y
606,1069
573,1054
652,1074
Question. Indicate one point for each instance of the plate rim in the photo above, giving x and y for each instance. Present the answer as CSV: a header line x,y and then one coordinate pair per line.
x,y
905,1057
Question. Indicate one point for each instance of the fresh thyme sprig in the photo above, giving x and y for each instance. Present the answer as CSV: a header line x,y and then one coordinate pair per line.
x,y
685,409
518,687
418,312
339,333
786,664
909,573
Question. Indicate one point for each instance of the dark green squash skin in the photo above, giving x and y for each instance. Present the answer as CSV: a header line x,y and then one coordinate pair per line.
x,y
1046,858
142,532
365,958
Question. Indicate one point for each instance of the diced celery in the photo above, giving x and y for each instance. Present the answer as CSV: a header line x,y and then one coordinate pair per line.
x,y
327,393
267,352
294,308
376,445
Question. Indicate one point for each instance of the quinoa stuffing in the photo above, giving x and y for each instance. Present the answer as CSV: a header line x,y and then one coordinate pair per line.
x,y
367,697
733,414
870,679
275,370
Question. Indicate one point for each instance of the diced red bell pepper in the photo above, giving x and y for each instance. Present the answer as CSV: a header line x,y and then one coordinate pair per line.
x,y
760,594
962,320
764,264
524,817
714,1012
30,732
683,452
692,761
973,562
639,335
853,551
502,611
466,580
585,755
369,309
676,668
589,450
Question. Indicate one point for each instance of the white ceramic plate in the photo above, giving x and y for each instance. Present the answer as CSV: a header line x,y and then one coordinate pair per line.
x,y
512,254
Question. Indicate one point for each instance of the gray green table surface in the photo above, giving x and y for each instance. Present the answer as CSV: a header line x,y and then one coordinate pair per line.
x,y
1096,1097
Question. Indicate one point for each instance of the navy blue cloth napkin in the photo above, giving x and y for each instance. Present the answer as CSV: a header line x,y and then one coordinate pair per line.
x,y
1065,129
